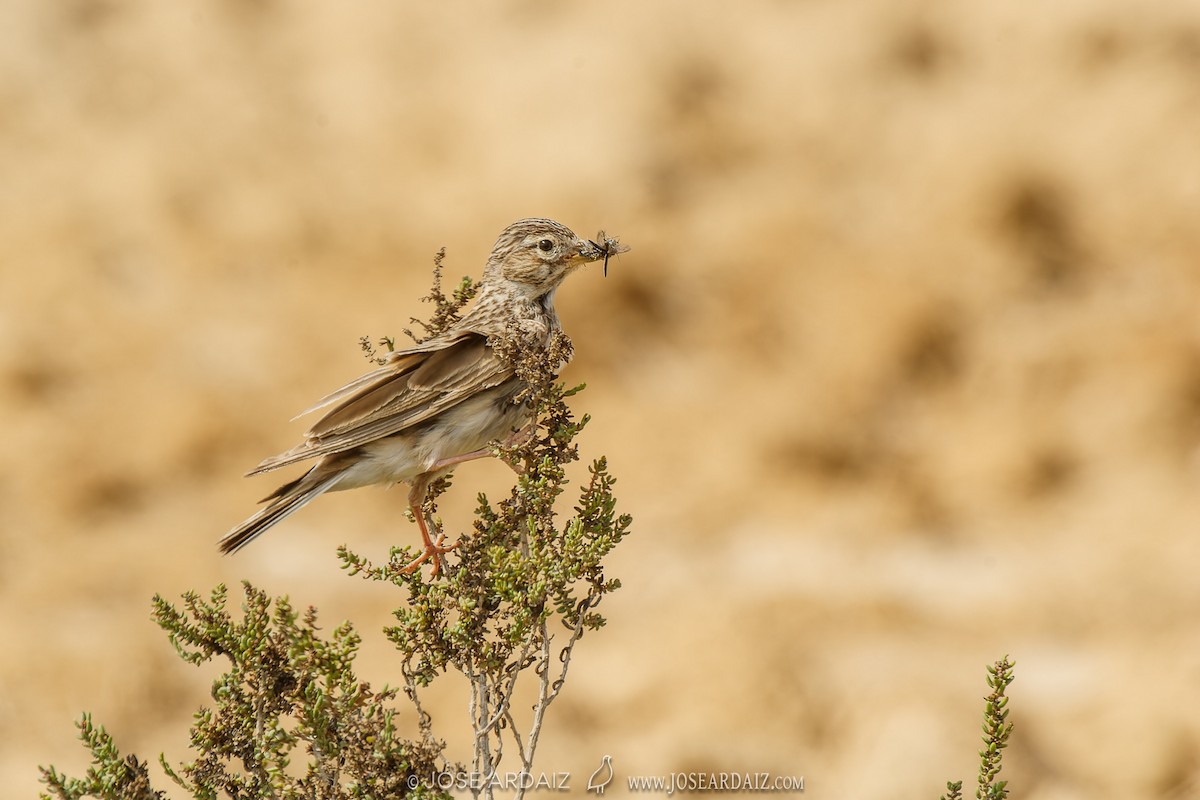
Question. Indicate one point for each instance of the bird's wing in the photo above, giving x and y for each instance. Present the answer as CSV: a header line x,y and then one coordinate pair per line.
x,y
416,386
396,362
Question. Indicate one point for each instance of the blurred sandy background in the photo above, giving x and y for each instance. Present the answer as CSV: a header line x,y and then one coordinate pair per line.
x,y
902,374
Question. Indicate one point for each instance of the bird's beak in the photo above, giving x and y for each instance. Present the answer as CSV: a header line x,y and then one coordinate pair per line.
x,y
589,250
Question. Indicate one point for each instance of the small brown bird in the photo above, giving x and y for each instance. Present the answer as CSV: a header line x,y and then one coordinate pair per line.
x,y
440,403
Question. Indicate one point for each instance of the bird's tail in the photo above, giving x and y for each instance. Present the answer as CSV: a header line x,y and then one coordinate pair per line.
x,y
281,504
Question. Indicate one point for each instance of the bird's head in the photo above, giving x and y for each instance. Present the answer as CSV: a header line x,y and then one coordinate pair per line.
x,y
534,255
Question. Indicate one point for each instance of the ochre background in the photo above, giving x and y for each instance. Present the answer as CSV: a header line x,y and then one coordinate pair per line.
x,y
901,375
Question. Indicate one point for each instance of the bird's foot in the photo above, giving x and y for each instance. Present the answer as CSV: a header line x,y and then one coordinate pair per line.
x,y
433,552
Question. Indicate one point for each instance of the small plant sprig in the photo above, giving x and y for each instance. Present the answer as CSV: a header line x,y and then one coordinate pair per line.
x,y
110,775
996,730
372,354
446,310
954,791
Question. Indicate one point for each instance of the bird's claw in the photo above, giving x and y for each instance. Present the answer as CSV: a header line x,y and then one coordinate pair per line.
x,y
434,552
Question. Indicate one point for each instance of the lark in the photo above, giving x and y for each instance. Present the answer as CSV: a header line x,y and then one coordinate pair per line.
x,y
441,403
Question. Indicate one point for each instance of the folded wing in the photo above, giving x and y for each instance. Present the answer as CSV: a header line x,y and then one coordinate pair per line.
x,y
416,386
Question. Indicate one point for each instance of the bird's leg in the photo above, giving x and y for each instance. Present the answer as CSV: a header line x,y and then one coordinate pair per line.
x,y
515,439
433,549
416,499
456,460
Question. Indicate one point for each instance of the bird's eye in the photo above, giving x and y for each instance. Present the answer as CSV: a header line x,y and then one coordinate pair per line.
x,y
545,245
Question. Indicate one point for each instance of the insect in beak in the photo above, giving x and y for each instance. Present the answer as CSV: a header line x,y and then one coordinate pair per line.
x,y
608,247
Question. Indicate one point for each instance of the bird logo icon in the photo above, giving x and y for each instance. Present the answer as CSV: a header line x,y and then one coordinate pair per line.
x,y
602,777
